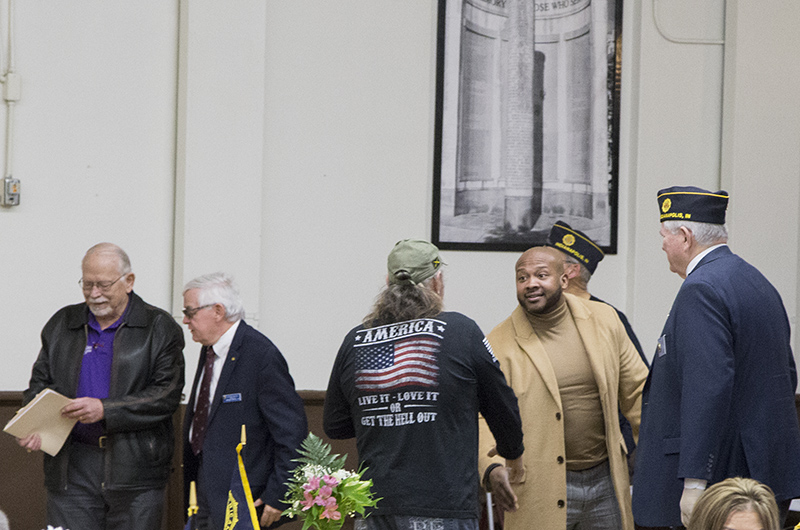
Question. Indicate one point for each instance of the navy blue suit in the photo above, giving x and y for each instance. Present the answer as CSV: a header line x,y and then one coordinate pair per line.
x,y
254,389
719,400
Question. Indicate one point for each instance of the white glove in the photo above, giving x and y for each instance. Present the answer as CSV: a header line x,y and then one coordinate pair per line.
x,y
688,500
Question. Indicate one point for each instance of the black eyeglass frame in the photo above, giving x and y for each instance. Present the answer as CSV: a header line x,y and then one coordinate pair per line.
x,y
190,312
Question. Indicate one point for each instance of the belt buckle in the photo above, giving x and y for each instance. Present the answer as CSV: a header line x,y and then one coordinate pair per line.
x,y
101,442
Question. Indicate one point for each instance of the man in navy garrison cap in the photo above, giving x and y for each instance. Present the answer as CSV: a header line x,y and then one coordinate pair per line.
x,y
719,401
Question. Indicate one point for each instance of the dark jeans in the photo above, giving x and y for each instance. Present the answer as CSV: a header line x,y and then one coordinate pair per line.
x,y
406,522
85,505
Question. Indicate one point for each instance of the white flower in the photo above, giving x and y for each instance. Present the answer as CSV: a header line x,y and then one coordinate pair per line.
x,y
311,470
342,474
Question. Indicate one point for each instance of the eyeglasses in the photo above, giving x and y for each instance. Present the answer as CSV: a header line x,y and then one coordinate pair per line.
x,y
190,312
103,286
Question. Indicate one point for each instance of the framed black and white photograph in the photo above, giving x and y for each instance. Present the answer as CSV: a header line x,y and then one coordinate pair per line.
x,y
527,122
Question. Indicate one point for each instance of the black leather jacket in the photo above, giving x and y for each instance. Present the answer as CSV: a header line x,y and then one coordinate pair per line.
x,y
147,372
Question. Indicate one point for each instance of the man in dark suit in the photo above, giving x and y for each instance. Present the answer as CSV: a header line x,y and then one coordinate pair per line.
x,y
241,379
719,401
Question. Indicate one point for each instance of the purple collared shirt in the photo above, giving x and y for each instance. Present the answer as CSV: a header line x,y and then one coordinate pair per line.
x,y
95,377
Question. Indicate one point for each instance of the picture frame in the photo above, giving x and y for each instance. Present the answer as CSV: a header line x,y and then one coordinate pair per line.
x,y
527,122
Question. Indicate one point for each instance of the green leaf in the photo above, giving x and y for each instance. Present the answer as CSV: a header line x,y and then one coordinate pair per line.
x,y
316,452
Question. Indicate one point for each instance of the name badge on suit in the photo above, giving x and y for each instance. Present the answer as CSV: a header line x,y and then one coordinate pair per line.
x,y
232,398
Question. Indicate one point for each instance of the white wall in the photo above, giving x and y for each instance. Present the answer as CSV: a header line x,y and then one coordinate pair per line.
x,y
291,143
349,122
94,151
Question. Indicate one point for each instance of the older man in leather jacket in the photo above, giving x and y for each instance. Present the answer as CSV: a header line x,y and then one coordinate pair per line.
x,y
121,360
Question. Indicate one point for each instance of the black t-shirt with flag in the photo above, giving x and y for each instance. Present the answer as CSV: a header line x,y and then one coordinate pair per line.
x,y
410,392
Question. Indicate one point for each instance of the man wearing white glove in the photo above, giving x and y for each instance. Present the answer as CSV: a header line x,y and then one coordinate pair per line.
x,y
692,489
719,400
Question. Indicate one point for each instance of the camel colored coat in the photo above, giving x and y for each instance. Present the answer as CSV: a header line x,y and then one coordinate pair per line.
x,y
620,375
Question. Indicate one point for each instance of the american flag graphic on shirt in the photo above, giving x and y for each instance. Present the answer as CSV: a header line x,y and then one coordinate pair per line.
x,y
390,365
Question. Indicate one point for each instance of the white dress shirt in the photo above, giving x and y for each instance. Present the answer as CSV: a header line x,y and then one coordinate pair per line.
x,y
221,348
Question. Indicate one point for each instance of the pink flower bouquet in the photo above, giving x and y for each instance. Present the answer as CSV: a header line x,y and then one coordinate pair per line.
x,y
321,492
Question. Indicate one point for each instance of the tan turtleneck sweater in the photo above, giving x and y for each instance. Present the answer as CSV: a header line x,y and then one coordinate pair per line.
x,y
584,428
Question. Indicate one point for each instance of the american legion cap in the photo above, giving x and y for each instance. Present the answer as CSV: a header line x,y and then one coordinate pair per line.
x,y
576,244
689,203
416,257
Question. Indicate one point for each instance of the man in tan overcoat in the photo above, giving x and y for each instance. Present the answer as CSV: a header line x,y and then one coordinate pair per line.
x,y
571,364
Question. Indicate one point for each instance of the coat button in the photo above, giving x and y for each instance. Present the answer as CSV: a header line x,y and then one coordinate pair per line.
x,y
560,459
558,415
561,503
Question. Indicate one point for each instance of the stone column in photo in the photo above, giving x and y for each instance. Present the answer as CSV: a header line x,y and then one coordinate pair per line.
x,y
495,173
522,201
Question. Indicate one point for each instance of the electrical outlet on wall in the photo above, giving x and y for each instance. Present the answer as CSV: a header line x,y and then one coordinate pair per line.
x,y
10,191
